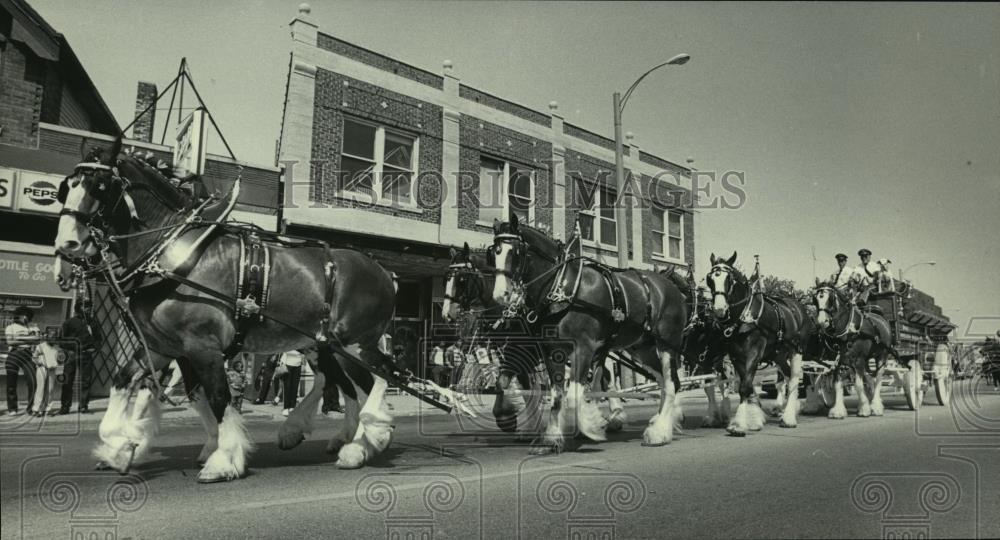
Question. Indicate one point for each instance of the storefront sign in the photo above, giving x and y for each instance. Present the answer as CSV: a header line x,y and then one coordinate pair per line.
x,y
10,303
24,274
6,187
36,192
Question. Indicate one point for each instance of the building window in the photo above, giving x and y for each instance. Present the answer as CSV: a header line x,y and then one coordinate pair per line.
x,y
378,163
505,190
669,231
597,220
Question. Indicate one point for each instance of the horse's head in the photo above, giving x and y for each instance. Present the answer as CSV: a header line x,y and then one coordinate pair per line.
x,y
509,256
86,196
110,193
463,283
828,301
721,280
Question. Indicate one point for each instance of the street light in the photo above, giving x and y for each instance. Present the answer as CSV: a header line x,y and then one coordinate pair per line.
x,y
903,271
619,105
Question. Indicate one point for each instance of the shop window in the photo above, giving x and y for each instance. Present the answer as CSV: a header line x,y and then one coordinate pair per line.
x,y
378,163
505,190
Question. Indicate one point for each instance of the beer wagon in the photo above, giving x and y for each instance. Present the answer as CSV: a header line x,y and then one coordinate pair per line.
x,y
924,353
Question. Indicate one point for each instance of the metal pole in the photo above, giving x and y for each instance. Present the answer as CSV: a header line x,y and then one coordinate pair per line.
x,y
620,220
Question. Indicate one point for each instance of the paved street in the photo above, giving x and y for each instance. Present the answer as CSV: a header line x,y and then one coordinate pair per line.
x,y
860,477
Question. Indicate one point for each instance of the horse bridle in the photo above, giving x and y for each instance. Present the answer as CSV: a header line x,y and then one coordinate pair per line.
x,y
836,301
730,274
457,271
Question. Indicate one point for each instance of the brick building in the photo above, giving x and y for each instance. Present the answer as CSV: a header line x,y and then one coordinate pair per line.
x,y
403,163
50,111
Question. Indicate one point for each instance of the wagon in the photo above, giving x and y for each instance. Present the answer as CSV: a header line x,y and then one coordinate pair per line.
x,y
923,358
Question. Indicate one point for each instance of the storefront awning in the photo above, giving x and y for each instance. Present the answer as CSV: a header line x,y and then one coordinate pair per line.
x,y
26,274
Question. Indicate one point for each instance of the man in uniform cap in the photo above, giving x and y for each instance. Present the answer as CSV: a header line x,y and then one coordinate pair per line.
x,y
865,275
841,279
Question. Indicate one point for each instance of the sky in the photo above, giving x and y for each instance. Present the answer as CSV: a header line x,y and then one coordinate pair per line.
x,y
856,125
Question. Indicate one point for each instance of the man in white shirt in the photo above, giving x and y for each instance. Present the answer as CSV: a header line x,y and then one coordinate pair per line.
x,y
21,336
293,361
841,279
865,275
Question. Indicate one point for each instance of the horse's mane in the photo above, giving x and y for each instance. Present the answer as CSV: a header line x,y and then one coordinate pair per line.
x,y
538,239
141,172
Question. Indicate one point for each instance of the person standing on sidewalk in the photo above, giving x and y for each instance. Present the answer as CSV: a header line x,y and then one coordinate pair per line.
x,y
292,360
46,357
22,335
83,340
262,383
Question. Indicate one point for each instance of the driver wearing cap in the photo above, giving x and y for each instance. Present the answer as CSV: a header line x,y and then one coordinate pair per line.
x,y
865,275
841,279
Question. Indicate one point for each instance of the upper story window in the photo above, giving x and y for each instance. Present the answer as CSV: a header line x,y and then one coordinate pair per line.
x,y
669,231
505,190
597,221
378,162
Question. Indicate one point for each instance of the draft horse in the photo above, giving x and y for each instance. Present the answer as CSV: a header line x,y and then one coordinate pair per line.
x,y
181,270
860,337
593,309
758,327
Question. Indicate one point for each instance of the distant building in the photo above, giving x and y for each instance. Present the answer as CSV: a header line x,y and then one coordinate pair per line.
x,y
50,112
371,145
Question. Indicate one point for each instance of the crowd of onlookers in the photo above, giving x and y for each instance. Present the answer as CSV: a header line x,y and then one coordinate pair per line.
x,y
49,361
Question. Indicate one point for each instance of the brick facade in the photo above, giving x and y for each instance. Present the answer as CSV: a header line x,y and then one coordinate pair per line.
x,y
593,171
467,92
374,59
337,96
22,83
481,138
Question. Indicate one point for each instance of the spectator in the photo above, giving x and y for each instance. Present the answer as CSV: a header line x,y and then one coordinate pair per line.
x,y
21,336
83,340
235,373
262,383
292,360
439,370
455,358
46,358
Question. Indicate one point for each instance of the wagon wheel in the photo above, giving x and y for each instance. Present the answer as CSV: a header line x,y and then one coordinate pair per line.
x,y
913,385
942,388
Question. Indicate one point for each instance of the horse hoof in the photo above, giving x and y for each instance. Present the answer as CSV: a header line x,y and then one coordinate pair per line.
x,y
777,411
215,479
787,425
654,444
737,433
352,456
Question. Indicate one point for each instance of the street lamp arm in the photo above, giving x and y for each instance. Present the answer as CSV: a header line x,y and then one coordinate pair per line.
x,y
628,93
680,59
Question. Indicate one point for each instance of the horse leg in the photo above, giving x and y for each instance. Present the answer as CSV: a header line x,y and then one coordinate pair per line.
x,y
789,415
300,421
838,412
660,430
878,409
553,440
127,430
589,420
779,402
508,403
749,416
228,461
199,402
861,387
374,431
617,418
713,407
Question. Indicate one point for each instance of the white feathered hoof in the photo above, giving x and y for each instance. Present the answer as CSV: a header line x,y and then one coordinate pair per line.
x,y
378,430
591,422
785,424
736,430
617,420
546,445
878,409
776,411
864,411
218,468
660,430
289,436
756,418
118,459
352,456
206,452
837,413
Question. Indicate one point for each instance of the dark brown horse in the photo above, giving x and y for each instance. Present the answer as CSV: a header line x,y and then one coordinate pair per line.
x,y
758,327
182,277
589,322
860,337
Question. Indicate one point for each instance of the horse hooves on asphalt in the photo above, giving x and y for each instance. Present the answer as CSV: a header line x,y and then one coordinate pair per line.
x,y
736,433
217,479
287,441
785,425
653,445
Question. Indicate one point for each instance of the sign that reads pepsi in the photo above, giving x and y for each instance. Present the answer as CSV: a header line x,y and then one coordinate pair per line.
x,y
36,192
